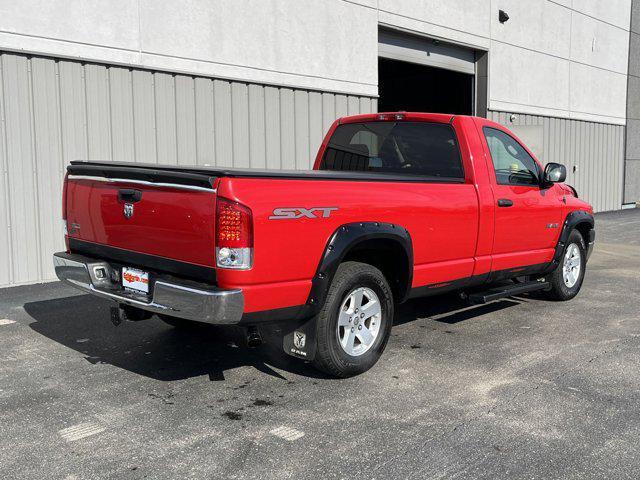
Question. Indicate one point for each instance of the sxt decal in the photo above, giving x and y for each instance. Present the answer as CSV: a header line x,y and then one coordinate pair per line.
x,y
300,212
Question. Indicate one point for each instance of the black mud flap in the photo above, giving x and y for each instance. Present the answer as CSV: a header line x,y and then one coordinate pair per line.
x,y
299,339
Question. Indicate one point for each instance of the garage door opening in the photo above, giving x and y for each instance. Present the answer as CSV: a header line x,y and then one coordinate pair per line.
x,y
420,74
421,88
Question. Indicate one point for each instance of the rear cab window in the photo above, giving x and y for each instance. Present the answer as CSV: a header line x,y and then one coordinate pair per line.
x,y
419,149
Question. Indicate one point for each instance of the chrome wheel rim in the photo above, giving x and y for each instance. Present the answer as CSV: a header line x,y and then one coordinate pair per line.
x,y
571,265
359,321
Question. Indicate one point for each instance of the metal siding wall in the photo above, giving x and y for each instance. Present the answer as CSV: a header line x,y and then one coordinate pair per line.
x,y
22,205
6,267
144,115
595,148
54,111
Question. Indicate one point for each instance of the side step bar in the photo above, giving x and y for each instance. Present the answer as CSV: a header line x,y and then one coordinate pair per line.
x,y
497,293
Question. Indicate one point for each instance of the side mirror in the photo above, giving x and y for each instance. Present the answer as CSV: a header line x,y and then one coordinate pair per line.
x,y
554,173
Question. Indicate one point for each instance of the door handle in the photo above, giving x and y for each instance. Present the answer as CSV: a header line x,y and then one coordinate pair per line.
x,y
129,195
505,202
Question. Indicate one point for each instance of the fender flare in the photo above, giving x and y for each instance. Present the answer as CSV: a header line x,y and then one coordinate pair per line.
x,y
299,337
573,219
343,240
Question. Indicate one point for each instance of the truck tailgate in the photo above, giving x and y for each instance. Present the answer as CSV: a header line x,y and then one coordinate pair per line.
x,y
172,221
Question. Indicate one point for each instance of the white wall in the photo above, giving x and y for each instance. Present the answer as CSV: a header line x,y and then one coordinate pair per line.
x,y
564,58
559,60
325,45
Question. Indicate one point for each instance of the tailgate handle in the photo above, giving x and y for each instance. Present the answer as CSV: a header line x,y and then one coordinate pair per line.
x,y
129,195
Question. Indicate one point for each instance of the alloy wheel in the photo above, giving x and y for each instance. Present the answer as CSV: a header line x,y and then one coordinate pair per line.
x,y
359,321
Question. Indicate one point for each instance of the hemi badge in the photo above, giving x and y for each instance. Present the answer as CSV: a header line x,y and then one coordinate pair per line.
x,y
552,225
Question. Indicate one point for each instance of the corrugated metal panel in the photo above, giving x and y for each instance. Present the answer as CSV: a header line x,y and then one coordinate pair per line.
x,y
22,205
187,151
204,118
165,111
301,115
49,166
121,113
240,124
96,81
144,116
54,111
287,131
272,127
593,153
223,123
6,263
257,132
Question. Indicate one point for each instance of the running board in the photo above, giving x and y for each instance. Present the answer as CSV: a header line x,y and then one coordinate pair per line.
x,y
506,291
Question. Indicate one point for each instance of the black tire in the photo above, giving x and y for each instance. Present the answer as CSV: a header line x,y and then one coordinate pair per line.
x,y
331,358
559,290
179,323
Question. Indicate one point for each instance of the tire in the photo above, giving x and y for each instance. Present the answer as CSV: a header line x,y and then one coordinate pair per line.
x,y
179,323
354,284
565,286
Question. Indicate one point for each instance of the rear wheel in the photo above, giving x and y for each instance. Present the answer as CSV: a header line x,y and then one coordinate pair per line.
x,y
354,324
566,279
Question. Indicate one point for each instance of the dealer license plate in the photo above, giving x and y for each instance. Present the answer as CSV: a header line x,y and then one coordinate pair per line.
x,y
135,279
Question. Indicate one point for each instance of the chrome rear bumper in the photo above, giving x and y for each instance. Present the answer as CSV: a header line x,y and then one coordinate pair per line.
x,y
182,299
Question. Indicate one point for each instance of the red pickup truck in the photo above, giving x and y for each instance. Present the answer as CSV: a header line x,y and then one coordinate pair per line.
x,y
398,205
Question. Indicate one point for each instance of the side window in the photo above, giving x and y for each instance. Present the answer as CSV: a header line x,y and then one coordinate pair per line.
x,y
512,163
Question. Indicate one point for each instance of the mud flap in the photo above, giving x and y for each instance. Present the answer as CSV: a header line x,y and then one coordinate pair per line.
x,y
299,339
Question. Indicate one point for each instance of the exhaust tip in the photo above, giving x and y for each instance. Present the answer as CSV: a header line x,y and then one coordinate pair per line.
x,y
254,339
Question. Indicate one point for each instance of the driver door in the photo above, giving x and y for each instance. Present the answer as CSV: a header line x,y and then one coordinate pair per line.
x,y
527,216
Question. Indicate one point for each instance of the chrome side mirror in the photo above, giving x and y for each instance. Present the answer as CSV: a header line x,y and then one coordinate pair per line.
x,y
554,173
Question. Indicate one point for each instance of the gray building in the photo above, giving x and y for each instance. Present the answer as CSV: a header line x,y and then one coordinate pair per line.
x,y
256,83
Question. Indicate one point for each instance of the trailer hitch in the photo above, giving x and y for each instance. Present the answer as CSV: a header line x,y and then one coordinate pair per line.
x,y
120,313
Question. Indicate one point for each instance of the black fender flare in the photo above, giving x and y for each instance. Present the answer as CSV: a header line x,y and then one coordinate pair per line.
x,y
573,219
299,336
343,240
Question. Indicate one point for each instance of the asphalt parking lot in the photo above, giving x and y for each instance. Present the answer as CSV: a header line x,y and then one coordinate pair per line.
x,y
521,388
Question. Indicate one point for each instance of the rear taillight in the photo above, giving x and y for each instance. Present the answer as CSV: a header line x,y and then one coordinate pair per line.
x,y
234,235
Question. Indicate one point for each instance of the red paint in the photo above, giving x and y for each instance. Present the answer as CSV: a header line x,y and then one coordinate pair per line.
x,y
457,230
167,222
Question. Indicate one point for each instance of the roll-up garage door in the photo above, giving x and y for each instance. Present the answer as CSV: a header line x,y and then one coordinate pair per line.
x,y
408,48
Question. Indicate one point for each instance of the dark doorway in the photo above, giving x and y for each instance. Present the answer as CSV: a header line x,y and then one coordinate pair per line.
x,y
418,88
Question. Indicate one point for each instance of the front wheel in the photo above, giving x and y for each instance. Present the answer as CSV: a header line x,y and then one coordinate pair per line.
x,y
566,280
354,324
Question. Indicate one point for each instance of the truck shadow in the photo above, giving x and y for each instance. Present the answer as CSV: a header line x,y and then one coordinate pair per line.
x,y
449,308
156,350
